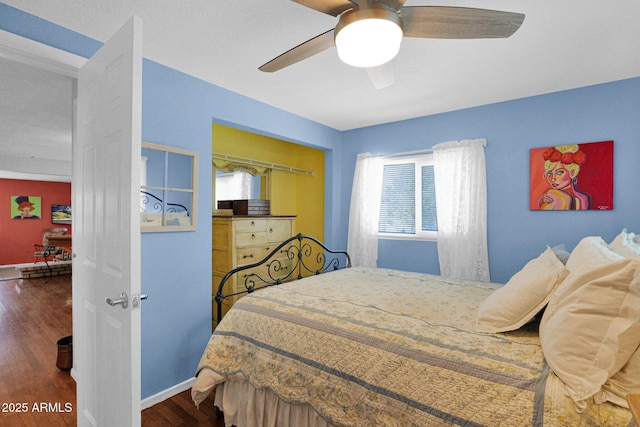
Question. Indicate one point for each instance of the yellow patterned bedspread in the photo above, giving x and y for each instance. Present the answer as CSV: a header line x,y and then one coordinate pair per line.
x,y
378,347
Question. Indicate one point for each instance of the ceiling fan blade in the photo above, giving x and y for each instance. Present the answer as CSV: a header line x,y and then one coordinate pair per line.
x,y
303,51
383,75
445,22
330,7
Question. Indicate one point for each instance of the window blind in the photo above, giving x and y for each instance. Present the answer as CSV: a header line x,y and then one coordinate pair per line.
x,y
397,206
429,212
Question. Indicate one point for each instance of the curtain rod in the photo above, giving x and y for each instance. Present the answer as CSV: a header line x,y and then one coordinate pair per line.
x,y
407,153
414,152
230,158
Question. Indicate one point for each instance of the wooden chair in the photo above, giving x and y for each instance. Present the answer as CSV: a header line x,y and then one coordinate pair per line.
x,y
44,250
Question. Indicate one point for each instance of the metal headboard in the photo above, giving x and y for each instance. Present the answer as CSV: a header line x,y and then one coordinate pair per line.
x,y
293,259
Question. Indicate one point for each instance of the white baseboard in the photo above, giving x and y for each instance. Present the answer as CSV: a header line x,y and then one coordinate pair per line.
x,y
166,394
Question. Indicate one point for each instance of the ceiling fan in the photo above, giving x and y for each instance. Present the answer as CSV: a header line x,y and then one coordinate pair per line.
x,y
369,32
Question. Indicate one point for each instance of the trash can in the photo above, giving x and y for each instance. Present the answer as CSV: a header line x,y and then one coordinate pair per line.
x,y
65,353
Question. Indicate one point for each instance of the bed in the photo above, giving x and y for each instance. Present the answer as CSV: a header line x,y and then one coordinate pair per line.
x,y
373,347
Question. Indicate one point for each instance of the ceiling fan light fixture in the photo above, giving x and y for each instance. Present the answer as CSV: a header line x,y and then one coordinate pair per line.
x,y
368,37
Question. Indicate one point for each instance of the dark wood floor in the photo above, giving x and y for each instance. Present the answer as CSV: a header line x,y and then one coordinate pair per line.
x,y
34,315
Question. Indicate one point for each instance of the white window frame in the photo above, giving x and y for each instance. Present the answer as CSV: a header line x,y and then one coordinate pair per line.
x,y
192,191
419,161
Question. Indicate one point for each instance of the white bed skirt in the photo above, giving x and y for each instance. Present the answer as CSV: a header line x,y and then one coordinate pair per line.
x,y
246,406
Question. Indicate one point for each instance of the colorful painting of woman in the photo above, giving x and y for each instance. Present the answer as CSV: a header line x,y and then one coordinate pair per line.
x,y
572,177
562,166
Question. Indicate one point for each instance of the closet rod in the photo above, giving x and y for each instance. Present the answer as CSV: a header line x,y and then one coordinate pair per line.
x,y
274,166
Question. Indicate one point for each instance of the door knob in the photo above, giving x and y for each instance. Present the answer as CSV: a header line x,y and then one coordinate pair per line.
x,y
123,300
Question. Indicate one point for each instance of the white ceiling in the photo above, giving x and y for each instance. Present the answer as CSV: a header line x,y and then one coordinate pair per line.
x,y
561,45
35,122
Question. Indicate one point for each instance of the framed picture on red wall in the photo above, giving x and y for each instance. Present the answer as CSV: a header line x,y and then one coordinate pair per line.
x,y
26,207
60,214
572,177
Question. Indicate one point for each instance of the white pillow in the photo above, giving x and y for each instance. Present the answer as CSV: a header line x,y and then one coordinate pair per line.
x,y
592,323
150,218
624,244
589,251
178,218
524,295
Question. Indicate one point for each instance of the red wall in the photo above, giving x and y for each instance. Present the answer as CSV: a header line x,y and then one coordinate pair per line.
x,y
17,236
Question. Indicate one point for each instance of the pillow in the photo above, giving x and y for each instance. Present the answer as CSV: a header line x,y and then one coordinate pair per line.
x,y
178,218
625,381
591,325
561,252
591,250
150,218
524,295
624,244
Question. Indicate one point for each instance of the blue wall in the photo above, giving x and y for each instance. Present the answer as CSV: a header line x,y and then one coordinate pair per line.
x,y
515,234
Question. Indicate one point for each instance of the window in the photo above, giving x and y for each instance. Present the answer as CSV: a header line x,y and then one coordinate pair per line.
x,y
168,188
408,202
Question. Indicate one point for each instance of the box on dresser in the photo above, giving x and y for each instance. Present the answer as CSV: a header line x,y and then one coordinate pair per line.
x,y
225,204
252,207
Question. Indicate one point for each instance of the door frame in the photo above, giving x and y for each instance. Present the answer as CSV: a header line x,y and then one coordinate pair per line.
x,y
26,51
36,54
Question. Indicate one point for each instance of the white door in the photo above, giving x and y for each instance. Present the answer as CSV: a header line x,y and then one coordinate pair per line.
x,y
106,232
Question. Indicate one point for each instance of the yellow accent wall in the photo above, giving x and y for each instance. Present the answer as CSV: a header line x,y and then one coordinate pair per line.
x,y
291,193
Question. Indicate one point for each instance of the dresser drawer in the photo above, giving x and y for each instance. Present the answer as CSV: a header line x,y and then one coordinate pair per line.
x,y
252,239
252,254
279,229
250,225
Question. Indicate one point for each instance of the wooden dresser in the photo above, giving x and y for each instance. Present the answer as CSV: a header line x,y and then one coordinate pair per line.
x,y
242,240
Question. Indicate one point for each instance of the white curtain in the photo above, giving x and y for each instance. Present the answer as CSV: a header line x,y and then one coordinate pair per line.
x,y
461,198
364,213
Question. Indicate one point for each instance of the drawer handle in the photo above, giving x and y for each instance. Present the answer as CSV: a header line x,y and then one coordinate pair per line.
x,y
248,256
253,236
253,223
271,230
